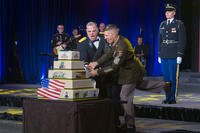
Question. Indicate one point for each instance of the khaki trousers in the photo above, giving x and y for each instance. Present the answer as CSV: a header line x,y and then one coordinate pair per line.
x,y
127,95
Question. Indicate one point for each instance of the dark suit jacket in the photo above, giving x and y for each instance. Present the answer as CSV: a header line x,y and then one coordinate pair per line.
x,y
87,52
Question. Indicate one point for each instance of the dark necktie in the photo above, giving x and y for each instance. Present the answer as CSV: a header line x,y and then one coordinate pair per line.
x,y
168,22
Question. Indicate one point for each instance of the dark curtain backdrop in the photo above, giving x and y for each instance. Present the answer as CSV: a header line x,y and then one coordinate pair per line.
x,y
33,22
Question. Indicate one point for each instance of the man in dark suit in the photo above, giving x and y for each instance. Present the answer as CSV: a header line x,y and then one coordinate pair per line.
x,y
172,40
92,48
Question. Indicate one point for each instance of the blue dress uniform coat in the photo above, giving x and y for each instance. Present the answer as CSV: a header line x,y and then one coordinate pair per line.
x,y
172,40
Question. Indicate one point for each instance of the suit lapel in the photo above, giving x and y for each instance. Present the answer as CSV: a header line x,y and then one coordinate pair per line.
x,y
100,49
100,45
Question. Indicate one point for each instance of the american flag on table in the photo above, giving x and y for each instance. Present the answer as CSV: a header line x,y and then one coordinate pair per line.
x,y
51,89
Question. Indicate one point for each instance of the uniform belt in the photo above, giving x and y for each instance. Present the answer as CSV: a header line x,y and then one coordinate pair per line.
x,y
169,41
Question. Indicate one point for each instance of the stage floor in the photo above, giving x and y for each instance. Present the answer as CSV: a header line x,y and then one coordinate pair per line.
x,y
144,125
184,99
189,98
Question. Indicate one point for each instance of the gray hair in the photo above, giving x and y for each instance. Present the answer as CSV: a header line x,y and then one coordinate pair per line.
x,y
112,27
91,24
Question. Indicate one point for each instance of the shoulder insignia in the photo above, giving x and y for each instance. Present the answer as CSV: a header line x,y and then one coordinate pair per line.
x,y
129,44
82,39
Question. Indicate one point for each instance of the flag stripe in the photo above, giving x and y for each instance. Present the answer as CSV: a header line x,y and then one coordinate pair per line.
x,y
58,83
52,90
49,93
40,93
46,95
52,86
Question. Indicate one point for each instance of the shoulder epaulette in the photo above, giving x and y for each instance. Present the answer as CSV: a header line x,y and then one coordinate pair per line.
x,y
129,44
82,39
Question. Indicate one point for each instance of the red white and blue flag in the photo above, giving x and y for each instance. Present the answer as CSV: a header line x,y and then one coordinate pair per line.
x,y
51,89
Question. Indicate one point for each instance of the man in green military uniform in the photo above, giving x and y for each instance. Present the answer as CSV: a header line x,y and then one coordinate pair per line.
x,y
129,68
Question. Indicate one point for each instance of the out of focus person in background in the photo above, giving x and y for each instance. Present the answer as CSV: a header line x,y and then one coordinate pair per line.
x,y
60,40
76,36
141,51
102,27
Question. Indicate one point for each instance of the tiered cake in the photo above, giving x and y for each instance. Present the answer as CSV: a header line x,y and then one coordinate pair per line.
x,y
70,70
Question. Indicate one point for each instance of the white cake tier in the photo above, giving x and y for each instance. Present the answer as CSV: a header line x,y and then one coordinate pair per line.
x,y
79,93
68,64
77,83
67,74
69,55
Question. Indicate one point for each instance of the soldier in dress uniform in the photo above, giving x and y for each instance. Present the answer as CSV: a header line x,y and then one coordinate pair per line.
x,y
60,40
172,40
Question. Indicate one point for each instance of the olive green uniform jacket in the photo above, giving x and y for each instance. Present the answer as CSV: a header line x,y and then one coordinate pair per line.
x,y
129,68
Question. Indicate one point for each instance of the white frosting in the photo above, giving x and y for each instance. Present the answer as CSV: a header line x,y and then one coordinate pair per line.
x,y
67,74
80,93
68,64
69,55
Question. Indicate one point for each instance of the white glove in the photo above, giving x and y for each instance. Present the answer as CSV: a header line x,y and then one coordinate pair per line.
x,y
159,60
178,60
